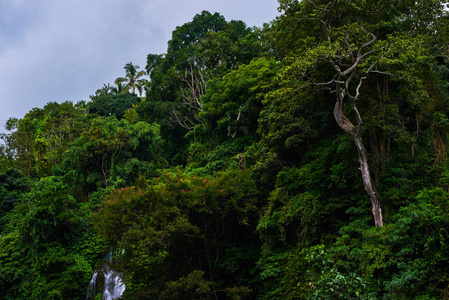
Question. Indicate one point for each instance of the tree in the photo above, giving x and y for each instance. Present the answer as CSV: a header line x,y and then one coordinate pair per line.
x,y
109,105
40,247
181,225
232,103
343,44
13,184
105,90
110,150
38,140
132,78
192,103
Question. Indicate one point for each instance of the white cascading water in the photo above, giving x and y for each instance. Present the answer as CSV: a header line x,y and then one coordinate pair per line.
x,y
92,286
113,285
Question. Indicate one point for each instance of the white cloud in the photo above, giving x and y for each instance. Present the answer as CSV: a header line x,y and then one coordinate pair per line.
x,y
53,50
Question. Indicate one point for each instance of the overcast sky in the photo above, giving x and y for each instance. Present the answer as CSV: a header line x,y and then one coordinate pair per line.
x,y
53,50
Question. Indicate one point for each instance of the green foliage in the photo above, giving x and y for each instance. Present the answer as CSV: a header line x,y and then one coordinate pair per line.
x,y
403,260
232,104
198,55
37,258
13,184
38,140
419,243
113,152
113,105
228,155
331,283
193,286
177,226
303,198
306,207
173,136
232,180
132,79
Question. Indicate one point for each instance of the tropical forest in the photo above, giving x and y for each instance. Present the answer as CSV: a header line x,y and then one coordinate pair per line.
x,y
304,159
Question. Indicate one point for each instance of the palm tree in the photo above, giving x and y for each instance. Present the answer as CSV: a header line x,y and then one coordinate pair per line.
x,y
132,79
119,89
105,90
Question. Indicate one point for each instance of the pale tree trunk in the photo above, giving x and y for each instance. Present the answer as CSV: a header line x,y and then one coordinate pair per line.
x,y
354,131
367,182
346,63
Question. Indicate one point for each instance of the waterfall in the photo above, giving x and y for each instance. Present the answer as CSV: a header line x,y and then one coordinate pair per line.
x,y
113,286
92,286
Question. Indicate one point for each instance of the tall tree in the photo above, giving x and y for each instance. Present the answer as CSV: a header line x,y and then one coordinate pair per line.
x,y
232,103
339,45
105,90
113,151
132,78
38,140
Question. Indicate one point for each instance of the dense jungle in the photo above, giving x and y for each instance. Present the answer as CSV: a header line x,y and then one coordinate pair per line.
x,y
306,159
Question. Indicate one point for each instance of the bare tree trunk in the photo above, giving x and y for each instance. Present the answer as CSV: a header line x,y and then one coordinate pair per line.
x,y
367,182
354,131
346,63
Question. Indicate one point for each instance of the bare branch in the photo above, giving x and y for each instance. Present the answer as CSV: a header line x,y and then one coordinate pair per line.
x,y
188,122
349,47
360,56
380,72
192,99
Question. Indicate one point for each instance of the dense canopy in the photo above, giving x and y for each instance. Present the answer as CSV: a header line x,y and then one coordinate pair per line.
x,y
306,159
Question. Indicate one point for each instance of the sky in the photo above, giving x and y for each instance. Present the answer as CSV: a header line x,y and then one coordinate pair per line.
x,y
53,50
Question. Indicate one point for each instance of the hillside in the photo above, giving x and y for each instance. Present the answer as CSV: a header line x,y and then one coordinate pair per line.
x,y
306,159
